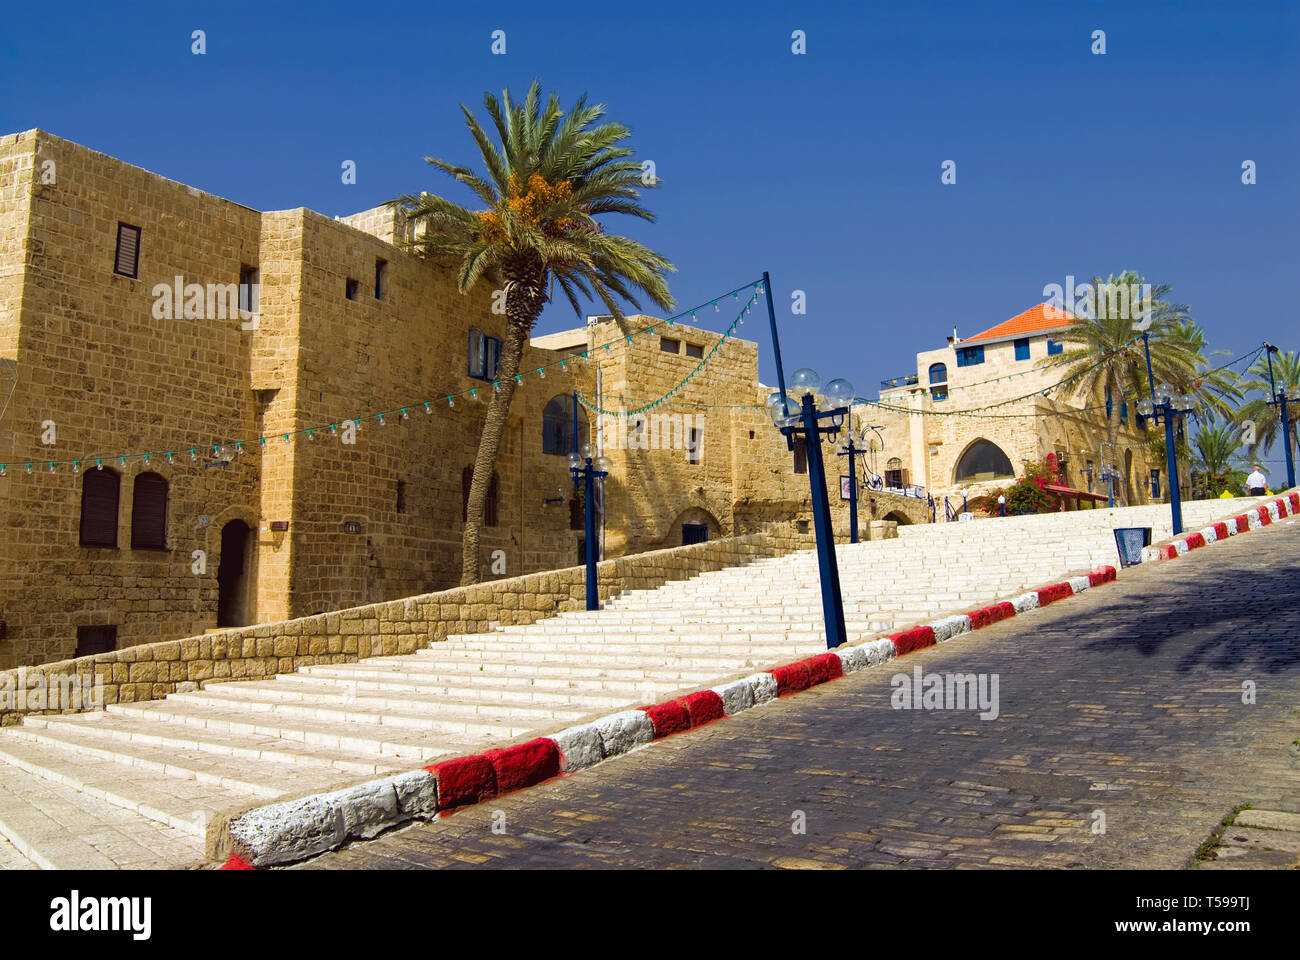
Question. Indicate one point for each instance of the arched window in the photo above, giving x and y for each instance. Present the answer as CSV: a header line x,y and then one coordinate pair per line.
x,y
557,426
938,373
489,508
99,492
895,475
149,513
982,461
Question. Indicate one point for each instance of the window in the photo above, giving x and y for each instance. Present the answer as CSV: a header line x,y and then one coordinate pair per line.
x,y
1054,347
695,533
1155,484
93,640
401,496
895,475
669,346
99,490
800,456
557,426
938,373
1022,348
127,260
352,288
695,350
695,445
970,356
381,279
484,353
939,393
982,461
249,289
149,512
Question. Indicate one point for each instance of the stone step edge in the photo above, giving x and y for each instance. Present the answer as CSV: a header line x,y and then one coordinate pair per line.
x,y
1287,505
288,831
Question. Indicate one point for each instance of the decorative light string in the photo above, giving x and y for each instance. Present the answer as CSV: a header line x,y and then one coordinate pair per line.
x,y
235,447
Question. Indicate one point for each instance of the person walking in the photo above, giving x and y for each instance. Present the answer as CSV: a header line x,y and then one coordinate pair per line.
x,y
1257,483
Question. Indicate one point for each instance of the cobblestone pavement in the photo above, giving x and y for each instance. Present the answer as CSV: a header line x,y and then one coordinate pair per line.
x,y
1125,702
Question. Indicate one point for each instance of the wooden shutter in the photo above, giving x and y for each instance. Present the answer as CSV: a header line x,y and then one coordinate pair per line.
x,y
149,513
127,262
99,489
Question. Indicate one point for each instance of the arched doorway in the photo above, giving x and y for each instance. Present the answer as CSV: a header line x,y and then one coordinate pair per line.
x,y
232,576
1130,497
899,518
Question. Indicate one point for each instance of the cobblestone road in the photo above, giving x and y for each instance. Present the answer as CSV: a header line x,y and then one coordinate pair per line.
x,y
1125,701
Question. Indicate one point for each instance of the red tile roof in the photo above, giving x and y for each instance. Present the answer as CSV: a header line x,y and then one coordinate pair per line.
x,y
1039,318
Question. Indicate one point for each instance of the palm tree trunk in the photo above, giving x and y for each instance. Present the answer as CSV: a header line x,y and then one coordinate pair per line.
x,y
488,446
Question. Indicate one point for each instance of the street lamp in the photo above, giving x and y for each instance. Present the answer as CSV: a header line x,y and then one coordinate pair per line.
x,y
797,416
851,450
586,472
1166,404
1279,399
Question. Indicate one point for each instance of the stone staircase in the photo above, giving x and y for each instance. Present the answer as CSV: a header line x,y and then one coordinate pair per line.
x,y
136,784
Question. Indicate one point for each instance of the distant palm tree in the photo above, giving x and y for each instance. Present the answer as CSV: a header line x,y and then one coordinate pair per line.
x,y
1108,361
1257,415
1212,467
549,175
1216,390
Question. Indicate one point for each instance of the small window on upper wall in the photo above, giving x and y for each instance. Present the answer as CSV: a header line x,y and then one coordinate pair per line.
x,y
695,445
1022,349
381,279
694,350
401,496
669,346
352,288
149,513
99,491
970,356
939,392
127,260
249,289
1054,347
484,353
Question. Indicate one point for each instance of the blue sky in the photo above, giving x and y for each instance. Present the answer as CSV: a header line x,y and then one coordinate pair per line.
x,y
822,168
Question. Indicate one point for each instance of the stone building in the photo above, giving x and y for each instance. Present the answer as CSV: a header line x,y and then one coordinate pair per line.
x,y
979,408
195,385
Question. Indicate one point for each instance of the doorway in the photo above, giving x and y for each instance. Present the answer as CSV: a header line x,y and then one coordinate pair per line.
x,y
232,579
695,533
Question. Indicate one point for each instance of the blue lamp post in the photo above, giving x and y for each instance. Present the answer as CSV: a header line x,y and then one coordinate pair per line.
x,y
586,472
799,420
1279,399
1165,405
850,450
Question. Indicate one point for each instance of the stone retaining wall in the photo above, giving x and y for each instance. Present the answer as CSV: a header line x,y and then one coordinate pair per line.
x,y
153,670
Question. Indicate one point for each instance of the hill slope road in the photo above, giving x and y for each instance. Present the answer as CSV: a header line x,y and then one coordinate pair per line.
x,y
1125,701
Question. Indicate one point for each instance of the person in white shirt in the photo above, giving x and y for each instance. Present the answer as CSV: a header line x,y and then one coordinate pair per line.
x,y
1257,483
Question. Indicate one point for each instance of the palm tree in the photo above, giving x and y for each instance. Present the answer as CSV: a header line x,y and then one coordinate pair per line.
x,y
1216,391
1212,466
1108,359
1265,419
548,176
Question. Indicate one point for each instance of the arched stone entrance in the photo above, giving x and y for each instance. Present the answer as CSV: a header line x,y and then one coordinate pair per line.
x,y
234,576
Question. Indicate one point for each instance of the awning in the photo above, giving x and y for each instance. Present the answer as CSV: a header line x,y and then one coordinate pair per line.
x,y
1071,492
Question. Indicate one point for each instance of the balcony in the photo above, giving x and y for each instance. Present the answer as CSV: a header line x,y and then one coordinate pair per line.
x,y
910,380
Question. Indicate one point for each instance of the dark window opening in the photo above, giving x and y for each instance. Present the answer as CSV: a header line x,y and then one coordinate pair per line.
x,y
149,513
669,346
983,461
940,392
557,426
127,259
694,350
352,288
489,507
695,445
895,475
99,493
970,356
93,640
695,533
381,279
249,288
401,496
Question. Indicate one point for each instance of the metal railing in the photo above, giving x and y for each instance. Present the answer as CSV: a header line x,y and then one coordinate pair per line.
x,y
907,381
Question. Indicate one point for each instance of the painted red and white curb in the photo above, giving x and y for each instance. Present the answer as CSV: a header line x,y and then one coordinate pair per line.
x,y
292,830
1287,505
